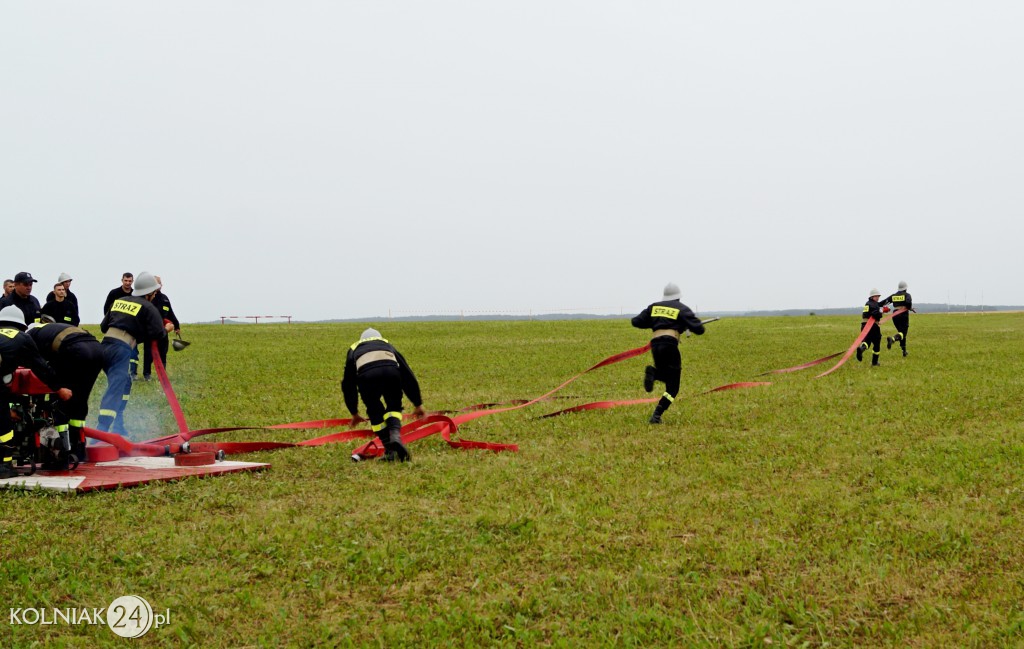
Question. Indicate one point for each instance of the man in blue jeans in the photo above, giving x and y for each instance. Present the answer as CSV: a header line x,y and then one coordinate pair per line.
x,y
131,320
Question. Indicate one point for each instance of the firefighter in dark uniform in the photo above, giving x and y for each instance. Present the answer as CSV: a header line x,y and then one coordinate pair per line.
x,y
668,319
377,370
22,297
65,281
872,309
61,308
131,320
900,299
163,305
77,358
17,349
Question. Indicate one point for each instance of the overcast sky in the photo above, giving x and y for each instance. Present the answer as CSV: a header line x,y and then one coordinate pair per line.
x,y
344,159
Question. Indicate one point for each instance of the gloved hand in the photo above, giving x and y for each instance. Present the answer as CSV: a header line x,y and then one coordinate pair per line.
x,y
885,309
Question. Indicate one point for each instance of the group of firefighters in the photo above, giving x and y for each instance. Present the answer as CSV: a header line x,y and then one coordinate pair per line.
x,y
68,360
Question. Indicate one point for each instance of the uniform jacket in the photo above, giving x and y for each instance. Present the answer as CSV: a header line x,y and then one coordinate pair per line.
x,y
66,311
900,299
384,353
137,316
163,305
668,314
113,295
872,309
29,306
50,297
17,349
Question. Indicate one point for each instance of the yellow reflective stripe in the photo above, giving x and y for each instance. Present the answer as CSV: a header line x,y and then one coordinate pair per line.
x,y
10,333
392,414
61,429
377,427
107,413
665,312
76,422
669,397
8,459
6,437
125,397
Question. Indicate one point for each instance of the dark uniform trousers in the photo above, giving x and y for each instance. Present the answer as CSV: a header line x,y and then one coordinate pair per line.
x,y
78,364
381,389
873,340
147,366
668,367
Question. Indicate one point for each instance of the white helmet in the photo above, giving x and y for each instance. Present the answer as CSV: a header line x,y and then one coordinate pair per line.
x,y
64,277
369,333
145,284
13,315
874,292
671,292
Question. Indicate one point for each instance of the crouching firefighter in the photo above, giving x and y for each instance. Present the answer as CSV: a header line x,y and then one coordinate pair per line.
x,y
131,320
378,372
668,319
77,358
18,349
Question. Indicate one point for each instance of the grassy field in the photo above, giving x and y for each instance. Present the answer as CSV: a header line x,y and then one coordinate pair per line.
x,y
875,507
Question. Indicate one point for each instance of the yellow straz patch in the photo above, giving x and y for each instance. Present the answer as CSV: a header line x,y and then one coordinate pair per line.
x,y
10,333
899,298
123,306
665,312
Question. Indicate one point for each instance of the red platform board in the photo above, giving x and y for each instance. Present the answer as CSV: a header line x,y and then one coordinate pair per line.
x,y
124,472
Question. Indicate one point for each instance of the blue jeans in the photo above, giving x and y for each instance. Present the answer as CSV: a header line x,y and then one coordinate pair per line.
x,y
117,356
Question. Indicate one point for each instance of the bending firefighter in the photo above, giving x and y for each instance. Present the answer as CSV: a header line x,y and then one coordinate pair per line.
x,y
18,349
131,320
668,318
900,300
77,358
380,374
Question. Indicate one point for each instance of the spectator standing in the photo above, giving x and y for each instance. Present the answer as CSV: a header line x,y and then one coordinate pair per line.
x,y
22,297
65,281
61,308
163,305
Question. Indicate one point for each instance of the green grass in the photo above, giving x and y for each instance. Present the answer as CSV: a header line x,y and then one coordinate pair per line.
x,y
874,507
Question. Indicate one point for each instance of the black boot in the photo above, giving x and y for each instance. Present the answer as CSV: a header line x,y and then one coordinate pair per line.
x,y
7,470
395,450
904,351
656,417
648,379
888,342
860,351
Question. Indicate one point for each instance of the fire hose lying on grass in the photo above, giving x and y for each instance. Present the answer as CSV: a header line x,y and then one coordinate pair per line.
x,y
181,444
